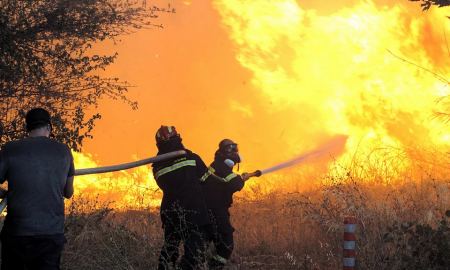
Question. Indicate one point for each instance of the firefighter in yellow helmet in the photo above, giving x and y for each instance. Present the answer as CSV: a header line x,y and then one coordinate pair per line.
x,y
220,183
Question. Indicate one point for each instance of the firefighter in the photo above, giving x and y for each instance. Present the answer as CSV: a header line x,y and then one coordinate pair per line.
x,y
220,183
183,210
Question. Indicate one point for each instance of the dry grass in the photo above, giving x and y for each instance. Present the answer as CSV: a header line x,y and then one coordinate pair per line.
x,y
401,224
282,231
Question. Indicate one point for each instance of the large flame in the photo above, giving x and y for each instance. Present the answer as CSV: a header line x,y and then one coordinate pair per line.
x,y
281,76
342,69
368,71
124,189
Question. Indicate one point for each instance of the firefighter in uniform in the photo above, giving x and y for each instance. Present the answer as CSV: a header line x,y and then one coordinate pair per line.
x,y
183,210
219,185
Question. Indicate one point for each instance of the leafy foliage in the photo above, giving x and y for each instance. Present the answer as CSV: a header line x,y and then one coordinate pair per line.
x,y
426,4
45,60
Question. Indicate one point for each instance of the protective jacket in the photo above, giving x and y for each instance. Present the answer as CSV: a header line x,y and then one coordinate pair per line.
x,y
178,178
219,185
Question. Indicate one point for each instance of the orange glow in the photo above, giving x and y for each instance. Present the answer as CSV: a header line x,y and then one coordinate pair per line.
x,y
279,77
125,189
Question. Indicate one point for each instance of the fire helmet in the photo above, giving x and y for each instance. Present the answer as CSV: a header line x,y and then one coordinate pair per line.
x,y
36,118
228,149
166,133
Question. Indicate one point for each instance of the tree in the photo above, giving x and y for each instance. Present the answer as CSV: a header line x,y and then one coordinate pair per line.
x,y
45,60
426,4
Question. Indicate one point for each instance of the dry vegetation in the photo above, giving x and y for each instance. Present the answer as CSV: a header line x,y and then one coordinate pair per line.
x,y
402,224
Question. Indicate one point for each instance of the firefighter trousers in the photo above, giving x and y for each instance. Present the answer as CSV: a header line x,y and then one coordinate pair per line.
x,y
222,238
193,239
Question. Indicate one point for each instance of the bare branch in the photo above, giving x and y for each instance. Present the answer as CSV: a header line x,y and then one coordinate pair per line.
x,y
438,76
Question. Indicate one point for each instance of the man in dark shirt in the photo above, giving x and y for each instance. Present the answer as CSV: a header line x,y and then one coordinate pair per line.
x,y
183,210
220,183
39,172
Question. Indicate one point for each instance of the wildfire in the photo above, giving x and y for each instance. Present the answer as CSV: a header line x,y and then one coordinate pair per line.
x,y
280,77
125,189
344,68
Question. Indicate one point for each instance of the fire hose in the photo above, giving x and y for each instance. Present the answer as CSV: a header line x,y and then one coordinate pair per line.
x,y
328,148
118,167
129,165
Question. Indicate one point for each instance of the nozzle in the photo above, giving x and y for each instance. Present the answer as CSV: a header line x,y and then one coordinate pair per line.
x,y
256,173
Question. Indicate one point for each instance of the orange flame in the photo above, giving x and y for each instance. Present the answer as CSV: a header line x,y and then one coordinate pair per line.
x,y
125,189
281,76
339,67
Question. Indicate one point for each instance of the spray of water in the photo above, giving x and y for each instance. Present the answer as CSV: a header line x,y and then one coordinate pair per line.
x,y
329,149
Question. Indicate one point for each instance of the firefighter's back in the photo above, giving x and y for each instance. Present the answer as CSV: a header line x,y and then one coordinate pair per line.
x,y
179,180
